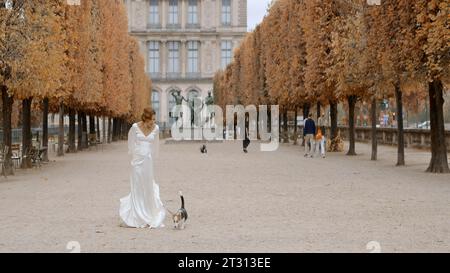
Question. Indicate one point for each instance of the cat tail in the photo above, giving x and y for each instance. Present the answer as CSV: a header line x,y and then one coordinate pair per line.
x,y
182,199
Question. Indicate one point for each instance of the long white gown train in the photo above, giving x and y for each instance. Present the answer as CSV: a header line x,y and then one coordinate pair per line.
x,y
143,208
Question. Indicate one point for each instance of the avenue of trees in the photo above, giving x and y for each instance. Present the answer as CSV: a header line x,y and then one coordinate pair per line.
x,y
319,53
75,60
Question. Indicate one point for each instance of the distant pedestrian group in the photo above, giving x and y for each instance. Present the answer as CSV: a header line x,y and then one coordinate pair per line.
x,y
314,136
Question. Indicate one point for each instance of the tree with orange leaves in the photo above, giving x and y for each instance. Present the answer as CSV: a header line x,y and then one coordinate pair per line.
x,y
59,54
141,84
317,23
36,68
396,30
349,59
347,50
433,35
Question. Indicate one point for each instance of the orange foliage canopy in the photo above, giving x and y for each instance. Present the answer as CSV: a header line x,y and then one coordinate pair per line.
x,y
79,55
327,50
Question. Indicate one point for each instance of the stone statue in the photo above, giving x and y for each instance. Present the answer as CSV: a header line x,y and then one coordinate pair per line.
x,y
178,98
209,100
196,105
178,102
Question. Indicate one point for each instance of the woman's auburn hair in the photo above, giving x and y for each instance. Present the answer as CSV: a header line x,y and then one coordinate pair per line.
x,y
148,114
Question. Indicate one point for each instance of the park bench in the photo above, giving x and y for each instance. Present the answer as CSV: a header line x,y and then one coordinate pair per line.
x,y
16,155
35,155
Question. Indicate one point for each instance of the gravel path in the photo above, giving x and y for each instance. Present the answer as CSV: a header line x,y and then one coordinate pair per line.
x,y
256,202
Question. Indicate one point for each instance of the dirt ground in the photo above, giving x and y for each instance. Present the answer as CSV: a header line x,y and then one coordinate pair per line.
x,y
256,202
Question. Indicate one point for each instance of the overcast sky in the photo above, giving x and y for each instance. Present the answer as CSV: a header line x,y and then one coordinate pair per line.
x,y
256,11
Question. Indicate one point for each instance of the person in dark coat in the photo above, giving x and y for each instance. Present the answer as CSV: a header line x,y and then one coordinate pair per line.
x,y
246,141
309,133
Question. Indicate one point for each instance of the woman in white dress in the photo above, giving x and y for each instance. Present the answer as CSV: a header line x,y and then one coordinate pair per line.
x,y
143,208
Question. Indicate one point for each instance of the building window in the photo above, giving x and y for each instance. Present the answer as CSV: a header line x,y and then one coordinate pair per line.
x,y
173,12
192,57
192,95
226,49
153,56
156,102
154,13
226,12
192,13
174,59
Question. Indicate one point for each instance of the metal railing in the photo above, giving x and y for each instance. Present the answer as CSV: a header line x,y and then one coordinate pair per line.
x,y
154,26
173,75
155,75
416,138
173,26
35,132
192,26
193,75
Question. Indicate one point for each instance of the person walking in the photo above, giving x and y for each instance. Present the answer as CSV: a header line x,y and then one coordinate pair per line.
x,y
143,208
309,133
246,141
322,123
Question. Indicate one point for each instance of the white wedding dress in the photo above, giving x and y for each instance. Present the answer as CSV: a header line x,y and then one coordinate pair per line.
x,y
143,208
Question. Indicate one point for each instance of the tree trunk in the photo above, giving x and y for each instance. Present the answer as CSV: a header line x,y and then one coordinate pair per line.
x,y
80,131
114,130
104,129
98,127
333,120
306,109
61,130
84,139
318,110
45,129
120,129
374,116
121,126
7,132
285,127
91,127
124,129
351,130
295,127
27,138
72,147
257,124
117,134
280,129
110,130
400,130
439,160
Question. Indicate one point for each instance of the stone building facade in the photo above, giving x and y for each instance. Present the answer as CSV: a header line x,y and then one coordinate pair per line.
x,y
184,43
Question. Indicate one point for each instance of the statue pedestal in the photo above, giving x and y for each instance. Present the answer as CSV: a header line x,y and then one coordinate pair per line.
x,y
196,133
199,134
